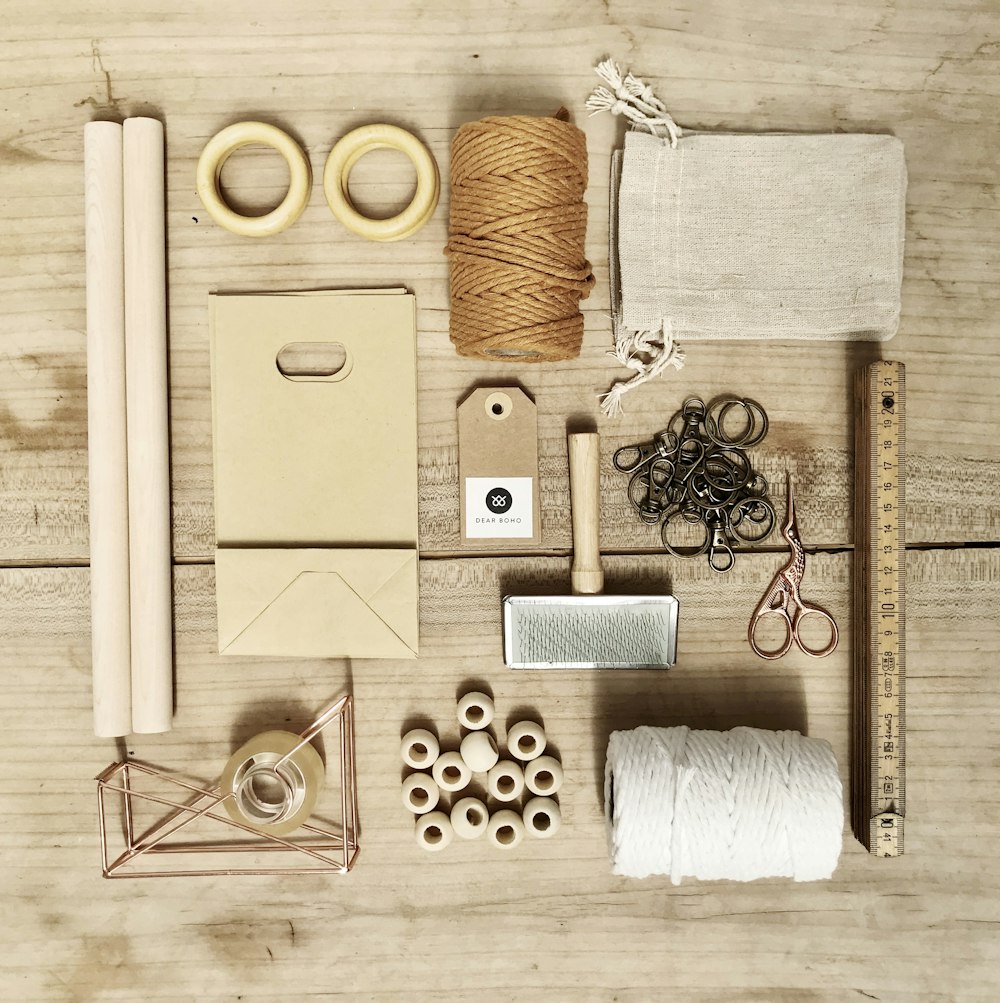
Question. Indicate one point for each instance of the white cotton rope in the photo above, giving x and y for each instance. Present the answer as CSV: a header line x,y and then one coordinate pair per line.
x,y
737,805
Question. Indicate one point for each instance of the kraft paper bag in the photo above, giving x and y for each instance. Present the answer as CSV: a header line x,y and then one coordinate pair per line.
x,y
315,476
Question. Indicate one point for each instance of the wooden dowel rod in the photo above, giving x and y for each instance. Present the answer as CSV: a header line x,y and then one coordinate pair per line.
x,y
148,426
106,430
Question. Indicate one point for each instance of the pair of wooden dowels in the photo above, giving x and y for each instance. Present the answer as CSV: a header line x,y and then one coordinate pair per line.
x,y
129,435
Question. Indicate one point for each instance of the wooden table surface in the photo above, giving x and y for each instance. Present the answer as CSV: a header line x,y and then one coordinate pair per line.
x,y
549,921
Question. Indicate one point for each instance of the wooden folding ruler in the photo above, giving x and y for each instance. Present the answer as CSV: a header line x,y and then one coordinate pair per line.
x,y
879,767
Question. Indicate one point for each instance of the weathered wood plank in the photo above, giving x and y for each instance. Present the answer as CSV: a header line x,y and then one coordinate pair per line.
x,y
549,919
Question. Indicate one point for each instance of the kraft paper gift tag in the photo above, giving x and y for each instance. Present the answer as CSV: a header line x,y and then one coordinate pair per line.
x,y
748,236
315,475
498,468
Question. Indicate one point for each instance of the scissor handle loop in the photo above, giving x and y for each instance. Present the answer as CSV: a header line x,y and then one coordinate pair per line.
x,y
831,645
783,648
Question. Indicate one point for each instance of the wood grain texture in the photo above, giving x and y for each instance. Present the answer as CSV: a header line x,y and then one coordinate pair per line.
x,y
548,920
922,72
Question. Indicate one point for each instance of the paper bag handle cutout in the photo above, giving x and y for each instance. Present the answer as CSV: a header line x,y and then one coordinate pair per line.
x,y
314,362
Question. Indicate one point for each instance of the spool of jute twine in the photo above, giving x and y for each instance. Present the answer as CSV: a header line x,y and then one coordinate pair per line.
x,y
516,239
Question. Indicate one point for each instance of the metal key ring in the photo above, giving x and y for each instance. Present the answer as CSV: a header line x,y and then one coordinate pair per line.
x,y
724,459
749,512
687,552
756,430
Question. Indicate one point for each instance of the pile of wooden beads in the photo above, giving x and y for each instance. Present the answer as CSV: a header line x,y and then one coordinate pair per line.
x,y
526,767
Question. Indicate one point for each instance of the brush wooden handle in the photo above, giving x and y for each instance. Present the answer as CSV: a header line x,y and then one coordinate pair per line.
x,y
587,576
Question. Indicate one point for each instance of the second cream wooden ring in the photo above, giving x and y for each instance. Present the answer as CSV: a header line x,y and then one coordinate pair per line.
x,y
349,150
218,150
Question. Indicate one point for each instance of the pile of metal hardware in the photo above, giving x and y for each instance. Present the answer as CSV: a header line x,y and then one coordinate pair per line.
x,y
696,478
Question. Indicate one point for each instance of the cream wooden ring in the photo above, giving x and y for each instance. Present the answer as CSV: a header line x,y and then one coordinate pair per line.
x,y
218,150
349,150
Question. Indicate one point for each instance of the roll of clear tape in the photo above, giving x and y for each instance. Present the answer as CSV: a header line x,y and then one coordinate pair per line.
x,y
270,790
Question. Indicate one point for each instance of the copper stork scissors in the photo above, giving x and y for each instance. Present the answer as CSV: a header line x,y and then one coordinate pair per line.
x,y
783,598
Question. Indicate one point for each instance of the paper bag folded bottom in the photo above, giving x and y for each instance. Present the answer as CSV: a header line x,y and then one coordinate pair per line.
x,y
317,603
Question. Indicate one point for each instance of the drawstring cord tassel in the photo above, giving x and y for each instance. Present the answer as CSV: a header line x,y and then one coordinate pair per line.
x,y
648,353
631,97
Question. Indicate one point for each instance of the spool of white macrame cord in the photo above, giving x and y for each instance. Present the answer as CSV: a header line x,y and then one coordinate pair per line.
x,y
737,805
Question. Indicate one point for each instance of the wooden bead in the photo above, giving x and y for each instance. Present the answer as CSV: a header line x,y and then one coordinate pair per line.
x,y
505,829
419,748
479,751
542,818
543,776
451,773
434,832
420,793
526,740
505,780
475,711
469,818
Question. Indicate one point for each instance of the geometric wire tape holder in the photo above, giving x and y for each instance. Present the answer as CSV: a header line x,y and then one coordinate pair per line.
x,y
879,788
294,769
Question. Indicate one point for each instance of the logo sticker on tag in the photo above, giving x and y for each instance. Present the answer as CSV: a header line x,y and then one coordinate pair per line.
x,y
498,507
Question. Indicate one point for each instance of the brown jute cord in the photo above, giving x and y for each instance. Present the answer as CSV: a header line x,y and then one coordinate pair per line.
x,y
516,239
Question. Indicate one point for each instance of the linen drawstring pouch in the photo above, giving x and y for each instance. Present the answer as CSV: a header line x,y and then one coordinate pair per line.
x,y
750,236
